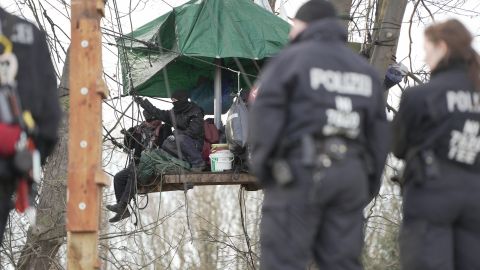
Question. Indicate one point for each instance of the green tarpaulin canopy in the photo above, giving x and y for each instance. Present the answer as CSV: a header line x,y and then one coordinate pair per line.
x,y
192,40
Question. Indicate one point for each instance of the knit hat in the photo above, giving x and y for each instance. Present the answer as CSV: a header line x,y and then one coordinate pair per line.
x,y
315,10
181,95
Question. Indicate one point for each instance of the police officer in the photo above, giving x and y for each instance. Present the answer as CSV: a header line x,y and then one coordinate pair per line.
x,y
437,132
319,140
35,86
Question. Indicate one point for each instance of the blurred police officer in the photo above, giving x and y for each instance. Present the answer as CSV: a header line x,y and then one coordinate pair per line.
x,y
437,132
28,100
319,139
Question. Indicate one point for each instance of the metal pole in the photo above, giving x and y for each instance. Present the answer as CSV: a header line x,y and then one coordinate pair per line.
x,y
85,176
217,104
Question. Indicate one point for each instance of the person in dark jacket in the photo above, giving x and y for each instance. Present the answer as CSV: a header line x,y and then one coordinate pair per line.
x,y
187,119
36,88
319,141
437,133
150,134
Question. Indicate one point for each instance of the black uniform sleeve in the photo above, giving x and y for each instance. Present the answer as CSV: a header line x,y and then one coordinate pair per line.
x,y
48,121
378,141
158,114
195,128
268,116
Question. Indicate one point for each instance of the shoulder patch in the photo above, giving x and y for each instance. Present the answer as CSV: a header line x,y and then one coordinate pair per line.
x,y
23,33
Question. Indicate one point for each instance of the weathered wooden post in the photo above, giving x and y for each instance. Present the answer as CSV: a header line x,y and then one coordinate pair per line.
x,y
85,176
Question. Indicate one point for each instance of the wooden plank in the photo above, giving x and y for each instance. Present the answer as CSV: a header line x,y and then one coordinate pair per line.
x,y
81,254
85,127
177,182
85,178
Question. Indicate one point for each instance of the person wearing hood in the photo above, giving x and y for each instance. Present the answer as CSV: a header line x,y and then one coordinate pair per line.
x,y
319,139
150,134
187,119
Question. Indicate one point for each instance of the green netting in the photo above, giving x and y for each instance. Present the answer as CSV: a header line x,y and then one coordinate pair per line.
x,y
157,162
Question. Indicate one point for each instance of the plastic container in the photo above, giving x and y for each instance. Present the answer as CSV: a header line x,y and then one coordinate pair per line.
x,y
221,161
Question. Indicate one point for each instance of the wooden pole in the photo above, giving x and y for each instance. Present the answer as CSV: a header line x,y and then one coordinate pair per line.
x,y
85,176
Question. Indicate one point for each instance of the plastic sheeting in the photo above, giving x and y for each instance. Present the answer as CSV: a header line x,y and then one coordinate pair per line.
x,y
236,128
187,41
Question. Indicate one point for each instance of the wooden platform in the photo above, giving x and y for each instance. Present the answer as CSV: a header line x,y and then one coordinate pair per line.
x,y
189,180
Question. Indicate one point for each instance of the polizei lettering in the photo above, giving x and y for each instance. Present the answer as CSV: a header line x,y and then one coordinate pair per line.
x,y
350,83
465,145
342,120
463,101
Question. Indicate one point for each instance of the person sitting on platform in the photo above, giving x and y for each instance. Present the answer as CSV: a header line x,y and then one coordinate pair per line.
x,y
187,118
149,134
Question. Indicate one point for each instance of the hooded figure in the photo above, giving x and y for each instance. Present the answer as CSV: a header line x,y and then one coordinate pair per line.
x,y
319,140
150,134
187,119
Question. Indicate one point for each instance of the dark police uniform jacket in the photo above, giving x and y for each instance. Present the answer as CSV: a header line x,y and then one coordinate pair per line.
x,y
445,115
318,85
36,81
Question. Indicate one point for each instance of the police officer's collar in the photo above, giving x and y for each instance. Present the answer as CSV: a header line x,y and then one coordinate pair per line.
x,y
325,29
459,65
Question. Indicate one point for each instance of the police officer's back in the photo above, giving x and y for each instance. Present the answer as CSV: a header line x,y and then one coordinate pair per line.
x,y
35,88
319,142
437,133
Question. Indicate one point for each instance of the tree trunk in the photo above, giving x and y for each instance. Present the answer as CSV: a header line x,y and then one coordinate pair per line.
x,y
343,8
272,4
45,239
386,39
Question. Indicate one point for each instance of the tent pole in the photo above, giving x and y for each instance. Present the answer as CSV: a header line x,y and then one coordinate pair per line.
x,y
217,103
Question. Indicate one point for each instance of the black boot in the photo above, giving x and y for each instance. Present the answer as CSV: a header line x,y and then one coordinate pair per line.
x,y
119,216
118,207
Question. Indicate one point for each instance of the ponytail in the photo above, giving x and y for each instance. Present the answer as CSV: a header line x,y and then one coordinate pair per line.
x,y
474,68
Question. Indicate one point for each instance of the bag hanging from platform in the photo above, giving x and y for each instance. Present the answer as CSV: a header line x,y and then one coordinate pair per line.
x,y
236,128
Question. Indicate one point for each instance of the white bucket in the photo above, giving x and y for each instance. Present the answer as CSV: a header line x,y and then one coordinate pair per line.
x,y
221,161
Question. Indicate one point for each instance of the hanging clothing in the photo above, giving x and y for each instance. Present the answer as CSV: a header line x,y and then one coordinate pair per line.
x,y
36,87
